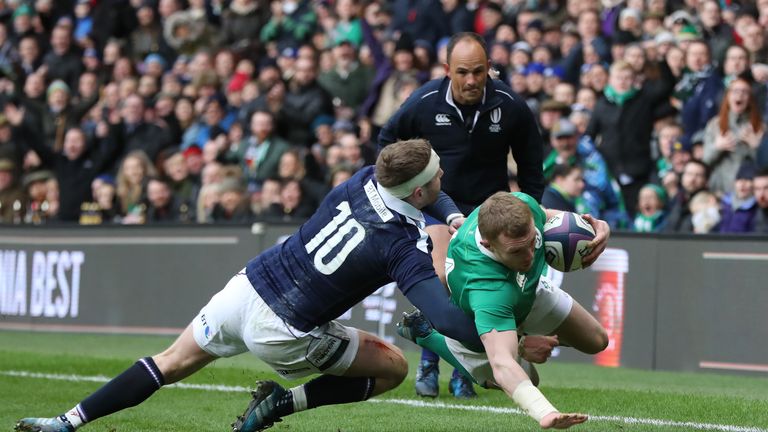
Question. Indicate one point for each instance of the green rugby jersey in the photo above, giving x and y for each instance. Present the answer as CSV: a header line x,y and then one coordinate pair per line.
x,y
497,297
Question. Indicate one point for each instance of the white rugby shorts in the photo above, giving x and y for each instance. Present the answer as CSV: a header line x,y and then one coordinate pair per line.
x,y
237,320
550,308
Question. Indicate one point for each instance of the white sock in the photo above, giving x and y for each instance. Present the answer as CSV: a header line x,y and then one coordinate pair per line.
x,y
299,398
75,417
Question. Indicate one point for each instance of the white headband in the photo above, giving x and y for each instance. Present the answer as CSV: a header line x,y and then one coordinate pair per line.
x,y
404,190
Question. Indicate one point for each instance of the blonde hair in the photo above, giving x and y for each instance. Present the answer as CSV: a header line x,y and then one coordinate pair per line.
x,y
130,194
504,213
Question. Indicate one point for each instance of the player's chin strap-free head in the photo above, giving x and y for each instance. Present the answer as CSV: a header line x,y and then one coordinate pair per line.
x,y
404,190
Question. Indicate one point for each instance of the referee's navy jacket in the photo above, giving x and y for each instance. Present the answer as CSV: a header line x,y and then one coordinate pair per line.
x,y
473,152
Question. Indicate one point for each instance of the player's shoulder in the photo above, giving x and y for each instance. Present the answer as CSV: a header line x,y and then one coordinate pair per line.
x,y
532,203
428,93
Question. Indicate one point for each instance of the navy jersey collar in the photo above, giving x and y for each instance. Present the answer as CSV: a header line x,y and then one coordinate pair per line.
x,y
400,206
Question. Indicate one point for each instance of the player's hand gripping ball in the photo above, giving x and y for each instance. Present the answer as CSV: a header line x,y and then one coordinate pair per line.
x,y
566,240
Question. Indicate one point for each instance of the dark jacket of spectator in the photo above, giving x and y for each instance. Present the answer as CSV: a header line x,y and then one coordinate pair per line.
x,y
66,67
626,133
421,19
75,176
760,223
680,218
149,138
241,25
301,106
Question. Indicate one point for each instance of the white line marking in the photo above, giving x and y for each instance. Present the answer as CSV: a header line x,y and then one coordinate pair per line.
x,y
733,366
735,256
110,241
413,403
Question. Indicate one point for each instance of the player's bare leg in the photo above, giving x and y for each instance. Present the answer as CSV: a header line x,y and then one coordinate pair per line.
x,y
378,367
381,360
183,358
135,385
582,331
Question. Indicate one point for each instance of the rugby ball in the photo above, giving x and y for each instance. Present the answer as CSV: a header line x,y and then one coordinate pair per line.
x,y
566,237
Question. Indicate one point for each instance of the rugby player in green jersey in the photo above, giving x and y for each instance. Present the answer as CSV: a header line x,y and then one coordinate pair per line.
x,y
495,271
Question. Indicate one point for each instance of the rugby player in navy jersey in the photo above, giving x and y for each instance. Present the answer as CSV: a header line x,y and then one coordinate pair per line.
x,y
281,307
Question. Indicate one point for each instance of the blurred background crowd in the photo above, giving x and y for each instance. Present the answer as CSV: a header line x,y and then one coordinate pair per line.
x,y
652,112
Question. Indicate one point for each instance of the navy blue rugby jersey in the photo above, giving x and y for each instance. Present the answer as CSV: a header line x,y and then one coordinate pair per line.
x,y
359,239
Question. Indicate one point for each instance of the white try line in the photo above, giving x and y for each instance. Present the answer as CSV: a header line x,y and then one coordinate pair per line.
x,y
413,403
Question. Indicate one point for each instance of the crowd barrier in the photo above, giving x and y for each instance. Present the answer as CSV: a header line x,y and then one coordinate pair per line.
x,y
670,303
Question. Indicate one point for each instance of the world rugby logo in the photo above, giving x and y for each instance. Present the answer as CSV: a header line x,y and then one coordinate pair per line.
x,y
495,119
442,120
496,115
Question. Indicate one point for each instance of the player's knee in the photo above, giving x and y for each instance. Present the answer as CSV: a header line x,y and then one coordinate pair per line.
x,y
599,341
398,369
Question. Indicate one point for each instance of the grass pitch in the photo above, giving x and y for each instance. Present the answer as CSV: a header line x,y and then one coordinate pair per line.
x,y
617,399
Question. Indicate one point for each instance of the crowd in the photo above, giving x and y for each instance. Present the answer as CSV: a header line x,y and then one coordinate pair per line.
x,y
652,112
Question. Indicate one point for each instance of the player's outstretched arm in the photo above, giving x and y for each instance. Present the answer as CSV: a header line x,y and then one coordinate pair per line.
x,y
501,348
429,297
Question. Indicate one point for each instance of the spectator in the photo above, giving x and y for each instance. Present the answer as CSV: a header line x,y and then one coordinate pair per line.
x,y
145,38
105,198
62,62
738,208
458,16
733,136
162,205
136,134
206,201
693,180
718,34
760,187
231,208
348,81
187,32
626,137
420,19
651,214
304,101
216,118
11,195
259,154
293,205
602,194
292,23
705,212
707,98
75,166
241,23
565,189
754,42
262,200
132,176
36,184
291,167
183,188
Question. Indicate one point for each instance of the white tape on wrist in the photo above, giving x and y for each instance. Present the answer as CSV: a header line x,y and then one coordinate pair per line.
x,y
530,399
